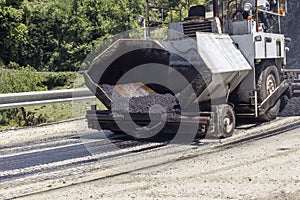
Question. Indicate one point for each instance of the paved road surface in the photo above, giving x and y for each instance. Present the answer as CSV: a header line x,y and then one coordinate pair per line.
x,y
259,162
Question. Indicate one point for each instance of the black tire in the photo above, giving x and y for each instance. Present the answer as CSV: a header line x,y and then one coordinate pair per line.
x,y
283,102
268,80
227,121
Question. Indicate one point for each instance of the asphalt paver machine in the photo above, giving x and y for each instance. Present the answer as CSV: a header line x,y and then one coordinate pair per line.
x,y
226,60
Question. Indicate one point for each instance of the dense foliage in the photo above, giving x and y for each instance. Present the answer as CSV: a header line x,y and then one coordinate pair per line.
x,y
57,35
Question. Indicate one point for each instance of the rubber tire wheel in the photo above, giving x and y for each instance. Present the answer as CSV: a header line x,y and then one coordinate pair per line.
x,y
283,102
227,113
272,113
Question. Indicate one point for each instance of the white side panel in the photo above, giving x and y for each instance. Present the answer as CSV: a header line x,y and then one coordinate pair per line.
x,y
228,65
220,54
267,47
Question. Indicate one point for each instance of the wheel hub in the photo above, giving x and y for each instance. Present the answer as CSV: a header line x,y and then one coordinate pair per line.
x,y
228,124
271,84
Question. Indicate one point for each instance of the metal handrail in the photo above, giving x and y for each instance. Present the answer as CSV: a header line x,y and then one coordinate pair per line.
x,y
15,100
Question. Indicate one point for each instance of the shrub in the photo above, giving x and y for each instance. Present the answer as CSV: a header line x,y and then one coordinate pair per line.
x,y
59,79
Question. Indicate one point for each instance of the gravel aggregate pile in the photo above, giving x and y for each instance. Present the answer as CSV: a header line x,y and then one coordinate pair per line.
x,y
292,108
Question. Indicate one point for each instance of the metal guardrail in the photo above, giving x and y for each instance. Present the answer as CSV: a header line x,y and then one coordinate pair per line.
x,y
15,100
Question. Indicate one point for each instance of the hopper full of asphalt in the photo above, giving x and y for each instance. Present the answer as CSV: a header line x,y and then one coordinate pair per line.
x,y
152,103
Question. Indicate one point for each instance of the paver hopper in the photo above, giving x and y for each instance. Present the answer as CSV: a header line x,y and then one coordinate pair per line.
x,y
200,73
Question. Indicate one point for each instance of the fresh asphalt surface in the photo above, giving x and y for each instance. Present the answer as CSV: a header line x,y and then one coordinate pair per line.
x,y
70,148
25,160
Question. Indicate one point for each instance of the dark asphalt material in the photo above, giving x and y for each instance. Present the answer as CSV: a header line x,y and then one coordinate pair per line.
x,y
43,157
292,108
142,104
25,159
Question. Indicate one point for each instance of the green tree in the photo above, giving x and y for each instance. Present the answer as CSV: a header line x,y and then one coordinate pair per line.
x,y
57,35
14,33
